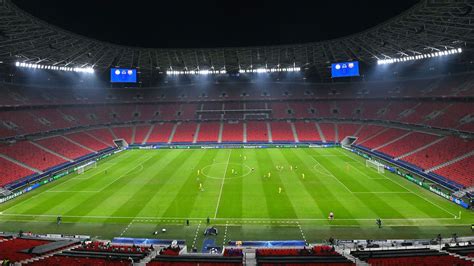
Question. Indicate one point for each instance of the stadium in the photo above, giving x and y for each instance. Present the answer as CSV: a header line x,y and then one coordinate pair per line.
x,y
353,149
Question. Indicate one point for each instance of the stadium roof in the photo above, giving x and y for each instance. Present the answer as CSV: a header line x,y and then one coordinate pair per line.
x,y
427,27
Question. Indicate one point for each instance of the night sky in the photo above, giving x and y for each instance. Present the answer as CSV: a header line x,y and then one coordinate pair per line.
x,y
185,24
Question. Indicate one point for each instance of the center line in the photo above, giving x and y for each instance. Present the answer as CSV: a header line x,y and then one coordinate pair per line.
x,y
222,184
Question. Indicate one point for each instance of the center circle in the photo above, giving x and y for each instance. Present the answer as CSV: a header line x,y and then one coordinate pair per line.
x,y
220,169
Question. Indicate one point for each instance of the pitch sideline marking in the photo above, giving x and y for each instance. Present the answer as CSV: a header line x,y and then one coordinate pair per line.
x,y
251,220
222,185
416,194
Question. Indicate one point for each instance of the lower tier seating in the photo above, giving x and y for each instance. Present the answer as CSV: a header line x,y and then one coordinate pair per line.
x,y
14,249
233,132
29,154
63,147
460,172
60,260
441,152
88,141
307,131
281,131
422,256
11,172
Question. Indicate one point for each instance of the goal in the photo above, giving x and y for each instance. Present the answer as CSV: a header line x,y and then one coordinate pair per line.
x,y
82,168
374,164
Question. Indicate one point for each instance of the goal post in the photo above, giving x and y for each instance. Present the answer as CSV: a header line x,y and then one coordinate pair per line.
x,y
374,164
89,165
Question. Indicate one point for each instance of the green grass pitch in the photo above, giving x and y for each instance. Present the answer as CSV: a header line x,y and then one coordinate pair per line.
x,y
137,192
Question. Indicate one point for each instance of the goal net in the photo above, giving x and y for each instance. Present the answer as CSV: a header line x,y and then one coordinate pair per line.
x,y
81,169
374,164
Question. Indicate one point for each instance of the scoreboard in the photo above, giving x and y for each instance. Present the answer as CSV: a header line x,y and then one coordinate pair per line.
x,y
345,69
123,75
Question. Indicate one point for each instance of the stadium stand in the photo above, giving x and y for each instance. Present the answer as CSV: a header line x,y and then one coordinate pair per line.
x,y
184,132
103,134
141,132
232,132
257,131
161,133
209,132
63,147
408,143
460,172
422,256
29,154
329,131
88,141
281,131
10,172
307,131
13,249
447,149
125,133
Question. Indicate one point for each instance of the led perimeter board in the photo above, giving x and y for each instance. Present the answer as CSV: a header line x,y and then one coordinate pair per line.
x,y
123,75
345,69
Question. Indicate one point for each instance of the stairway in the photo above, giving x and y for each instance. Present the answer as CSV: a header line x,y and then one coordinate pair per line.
x,y
295,134
134,128
320,132
196,133
245,132
221,129
170,139
269,130
147,136
113,133
336,132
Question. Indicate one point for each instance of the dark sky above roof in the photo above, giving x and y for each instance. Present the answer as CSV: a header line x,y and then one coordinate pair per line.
x,y
217,23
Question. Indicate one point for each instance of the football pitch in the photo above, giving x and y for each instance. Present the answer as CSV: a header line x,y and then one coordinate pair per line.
x,y
248,194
